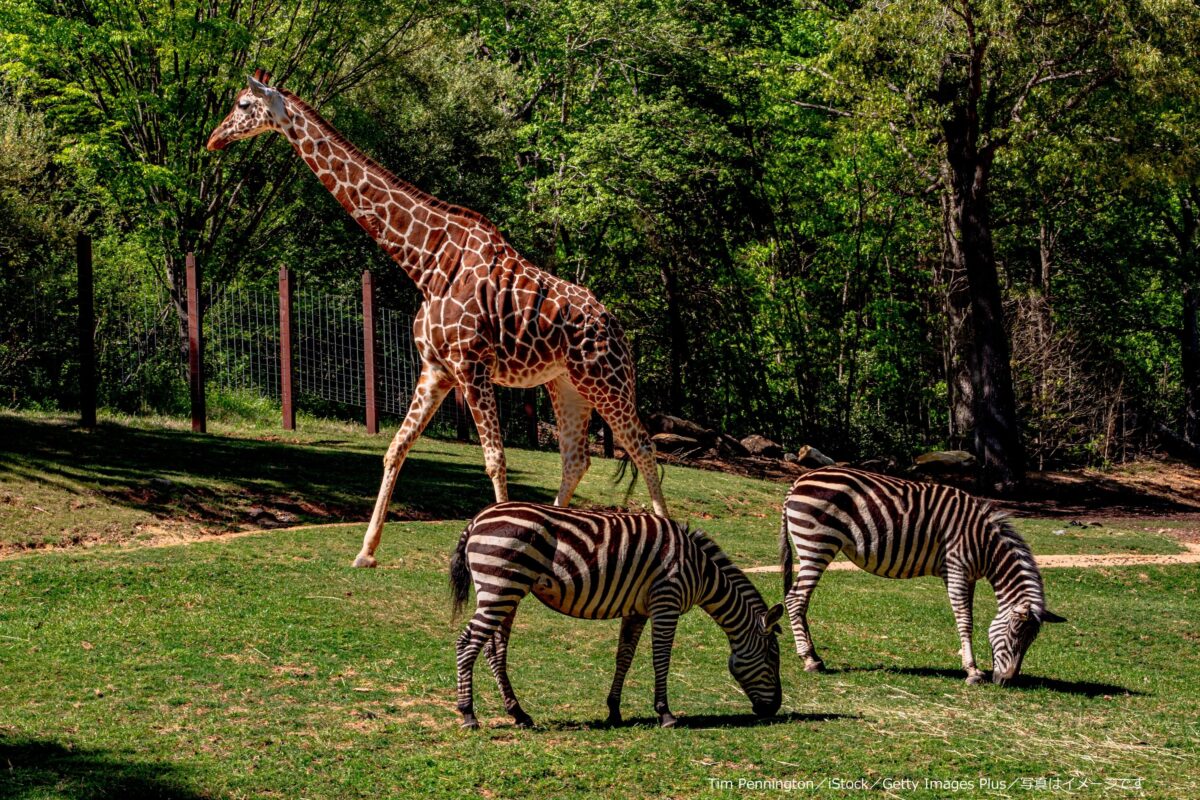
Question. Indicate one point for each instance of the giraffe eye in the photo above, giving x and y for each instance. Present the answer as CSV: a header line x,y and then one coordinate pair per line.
x,y
243,104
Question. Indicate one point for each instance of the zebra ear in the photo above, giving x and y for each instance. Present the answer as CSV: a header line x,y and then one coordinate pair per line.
x,y
1049,616
768,622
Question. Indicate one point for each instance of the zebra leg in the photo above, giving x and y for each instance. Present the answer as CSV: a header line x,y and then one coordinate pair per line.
x,y
631,632
663,630
496,653
491,613
962,598
809,571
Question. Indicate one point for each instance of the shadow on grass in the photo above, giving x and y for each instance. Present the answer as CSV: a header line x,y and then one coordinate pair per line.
x,y
36,769
217,479
1085,688
699,721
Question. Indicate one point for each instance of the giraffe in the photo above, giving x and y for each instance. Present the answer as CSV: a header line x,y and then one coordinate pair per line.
x,y
489,316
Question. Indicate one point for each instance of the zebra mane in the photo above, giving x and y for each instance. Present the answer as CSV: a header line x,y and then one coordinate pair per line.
x,y
737,579
1015,545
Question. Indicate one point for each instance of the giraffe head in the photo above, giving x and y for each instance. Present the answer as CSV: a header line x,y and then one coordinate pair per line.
x,y
258,108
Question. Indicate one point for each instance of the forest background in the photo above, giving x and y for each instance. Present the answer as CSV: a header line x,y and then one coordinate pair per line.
x,y
872,227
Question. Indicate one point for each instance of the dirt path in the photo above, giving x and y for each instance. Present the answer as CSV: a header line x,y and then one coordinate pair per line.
x,y
1077,560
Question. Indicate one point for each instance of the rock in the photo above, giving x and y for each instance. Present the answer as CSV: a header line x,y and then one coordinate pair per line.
x,y
944,461
674,443
730,446
791,458
810,456
758,445
665,423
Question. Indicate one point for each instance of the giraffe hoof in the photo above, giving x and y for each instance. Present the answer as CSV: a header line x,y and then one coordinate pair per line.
x,y
365,561
814,665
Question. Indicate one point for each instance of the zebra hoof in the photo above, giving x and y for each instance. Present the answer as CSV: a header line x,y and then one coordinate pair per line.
x,y
667,720
975,678
470,725
613,720
364,561
814,665
525,721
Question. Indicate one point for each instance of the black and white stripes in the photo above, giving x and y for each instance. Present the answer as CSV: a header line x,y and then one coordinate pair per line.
x,y
903,529
604,565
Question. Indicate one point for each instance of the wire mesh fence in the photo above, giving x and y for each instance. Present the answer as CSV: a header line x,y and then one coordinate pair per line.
x,y
140,346
242,332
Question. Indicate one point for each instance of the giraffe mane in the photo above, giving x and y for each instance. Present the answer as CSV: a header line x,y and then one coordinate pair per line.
x,y
451,209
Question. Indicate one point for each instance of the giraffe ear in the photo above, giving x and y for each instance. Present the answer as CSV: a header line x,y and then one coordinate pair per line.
x,y
272,97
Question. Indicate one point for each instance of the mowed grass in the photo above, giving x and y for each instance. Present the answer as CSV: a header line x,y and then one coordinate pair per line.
x,y
262,666
137,480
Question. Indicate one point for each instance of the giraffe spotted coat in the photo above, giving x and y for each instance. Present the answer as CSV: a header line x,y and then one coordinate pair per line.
x,y
489,316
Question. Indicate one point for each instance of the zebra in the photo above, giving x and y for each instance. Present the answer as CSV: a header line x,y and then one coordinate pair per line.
x,y
899,528
604,565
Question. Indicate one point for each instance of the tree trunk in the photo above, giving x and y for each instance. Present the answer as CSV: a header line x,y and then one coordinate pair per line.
x,y
1190,363
677,340
997,437
958,352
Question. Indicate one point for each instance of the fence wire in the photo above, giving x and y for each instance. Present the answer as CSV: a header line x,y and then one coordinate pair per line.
x,y
242,352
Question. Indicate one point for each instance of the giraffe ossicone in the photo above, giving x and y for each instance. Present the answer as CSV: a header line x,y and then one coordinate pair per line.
x,y
489,316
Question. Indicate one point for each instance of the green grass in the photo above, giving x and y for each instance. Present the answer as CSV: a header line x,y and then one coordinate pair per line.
x,y
1119,536
149,479
262,666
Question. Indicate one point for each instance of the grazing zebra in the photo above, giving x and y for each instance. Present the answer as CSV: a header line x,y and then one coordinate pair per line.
x,y
604,565
903,529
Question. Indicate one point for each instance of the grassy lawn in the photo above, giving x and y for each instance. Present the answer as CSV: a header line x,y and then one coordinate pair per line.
x,y
144,480
262,666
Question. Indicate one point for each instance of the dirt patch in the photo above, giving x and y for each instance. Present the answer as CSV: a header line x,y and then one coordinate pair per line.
x,y
1067,561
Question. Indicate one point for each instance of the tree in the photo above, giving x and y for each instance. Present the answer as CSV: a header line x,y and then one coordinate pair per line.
x,y
958,82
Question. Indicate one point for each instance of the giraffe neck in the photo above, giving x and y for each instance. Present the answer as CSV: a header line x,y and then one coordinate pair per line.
x,y
422,234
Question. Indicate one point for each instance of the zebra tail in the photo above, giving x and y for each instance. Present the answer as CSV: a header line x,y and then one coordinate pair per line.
x,y
460,575
785,554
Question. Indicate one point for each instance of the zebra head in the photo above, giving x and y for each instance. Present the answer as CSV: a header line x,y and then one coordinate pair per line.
x,y
754,661
1011,633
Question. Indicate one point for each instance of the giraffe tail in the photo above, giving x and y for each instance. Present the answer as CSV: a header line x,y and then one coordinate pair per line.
x,y
626,465
460,575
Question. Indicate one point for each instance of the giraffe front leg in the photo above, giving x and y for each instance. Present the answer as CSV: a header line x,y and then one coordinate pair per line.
x,y
572,414
431,390
481,397
962,597
631,633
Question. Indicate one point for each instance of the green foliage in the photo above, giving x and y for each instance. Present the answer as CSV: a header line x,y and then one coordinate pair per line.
x,y
755,190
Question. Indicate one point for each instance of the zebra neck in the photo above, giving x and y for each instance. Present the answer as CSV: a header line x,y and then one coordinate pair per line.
x,y
727,596
1013,573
